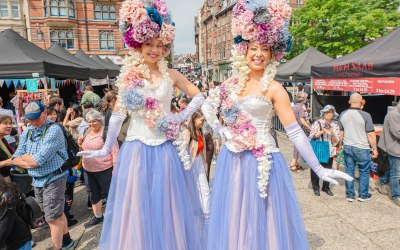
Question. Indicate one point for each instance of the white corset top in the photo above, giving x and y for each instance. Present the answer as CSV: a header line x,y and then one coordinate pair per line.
x,y
138,128
261,111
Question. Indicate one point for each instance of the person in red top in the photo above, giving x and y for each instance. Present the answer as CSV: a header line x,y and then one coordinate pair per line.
x,y
194,139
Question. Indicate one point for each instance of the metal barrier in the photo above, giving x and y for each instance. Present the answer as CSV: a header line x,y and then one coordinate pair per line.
x,y
277,125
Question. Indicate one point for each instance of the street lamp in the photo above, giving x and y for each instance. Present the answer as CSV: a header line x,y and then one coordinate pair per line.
x,y
40,36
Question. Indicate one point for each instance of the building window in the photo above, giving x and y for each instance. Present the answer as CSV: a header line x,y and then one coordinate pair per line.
x,y
45,7
57,8
3,9
107,40
63,37
15,10
104,12
71,9
299,1
9,9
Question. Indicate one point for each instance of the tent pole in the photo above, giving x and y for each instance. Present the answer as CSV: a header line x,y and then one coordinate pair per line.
x,y
311,98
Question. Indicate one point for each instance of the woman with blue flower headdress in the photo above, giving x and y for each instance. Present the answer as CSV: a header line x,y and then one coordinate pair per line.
x,y
153,201
253,203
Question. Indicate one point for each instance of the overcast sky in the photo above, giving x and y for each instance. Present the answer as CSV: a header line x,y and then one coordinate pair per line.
x,y
183,13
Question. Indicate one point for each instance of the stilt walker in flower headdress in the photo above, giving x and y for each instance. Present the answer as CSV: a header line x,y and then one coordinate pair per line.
x,y
253,202
153,201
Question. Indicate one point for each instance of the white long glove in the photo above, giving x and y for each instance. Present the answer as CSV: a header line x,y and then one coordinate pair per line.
x,y
216,126
302,143
114,127
194,105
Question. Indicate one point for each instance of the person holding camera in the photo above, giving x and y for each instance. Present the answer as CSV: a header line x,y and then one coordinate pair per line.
x,y
325,129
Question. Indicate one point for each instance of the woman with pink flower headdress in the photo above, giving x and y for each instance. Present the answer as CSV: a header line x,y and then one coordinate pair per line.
x,y
153,201
253,203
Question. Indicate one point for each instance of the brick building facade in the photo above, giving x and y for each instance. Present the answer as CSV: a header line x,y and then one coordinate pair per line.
x,y
213,37
77,24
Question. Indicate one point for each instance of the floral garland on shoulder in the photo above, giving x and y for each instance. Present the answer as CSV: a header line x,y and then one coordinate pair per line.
x,y
132,83
239,122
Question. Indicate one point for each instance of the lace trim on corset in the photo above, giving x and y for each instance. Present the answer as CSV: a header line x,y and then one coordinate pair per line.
x,y
259,97
147,141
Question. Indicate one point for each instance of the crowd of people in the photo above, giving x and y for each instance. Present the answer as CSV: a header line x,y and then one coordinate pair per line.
x,y
149,156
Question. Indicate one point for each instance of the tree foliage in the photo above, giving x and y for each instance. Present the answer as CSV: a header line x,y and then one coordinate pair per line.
x,y
339,27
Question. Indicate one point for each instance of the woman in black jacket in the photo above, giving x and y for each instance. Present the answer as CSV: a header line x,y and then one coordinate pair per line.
x,y
14,231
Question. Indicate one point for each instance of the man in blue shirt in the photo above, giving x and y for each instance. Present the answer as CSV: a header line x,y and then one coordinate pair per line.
x,y
42,150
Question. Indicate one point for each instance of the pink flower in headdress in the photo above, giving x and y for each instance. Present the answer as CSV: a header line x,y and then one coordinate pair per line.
x,y
167,34
239,8
161,7
267,34
151,103
133,11
145,30
242,47
279,8
279,56
277,22
237,27
247,17
250,32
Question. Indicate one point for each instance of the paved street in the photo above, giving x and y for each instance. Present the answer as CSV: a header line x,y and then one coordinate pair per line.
x,y
331,222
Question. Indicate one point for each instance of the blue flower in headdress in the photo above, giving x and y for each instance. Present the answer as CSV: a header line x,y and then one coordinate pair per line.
x,y
155,16
255,4
168,18
238,39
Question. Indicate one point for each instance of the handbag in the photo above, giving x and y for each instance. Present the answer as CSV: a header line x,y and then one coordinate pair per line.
x,y
320,148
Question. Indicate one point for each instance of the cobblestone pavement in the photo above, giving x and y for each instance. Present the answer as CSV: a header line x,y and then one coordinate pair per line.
x,y
331,222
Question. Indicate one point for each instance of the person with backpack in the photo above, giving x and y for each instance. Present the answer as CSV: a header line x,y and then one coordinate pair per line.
x,y
43,151
98,171
14,230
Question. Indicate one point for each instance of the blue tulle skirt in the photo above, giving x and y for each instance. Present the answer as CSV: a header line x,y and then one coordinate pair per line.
x,y
153,203
241,219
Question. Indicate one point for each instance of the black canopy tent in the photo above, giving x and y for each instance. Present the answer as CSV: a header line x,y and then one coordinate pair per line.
x,y
112,70
109,61
299,68
374,68
21,58
94,71
83,57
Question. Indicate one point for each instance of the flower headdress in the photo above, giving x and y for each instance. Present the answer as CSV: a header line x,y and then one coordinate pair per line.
x,y
263,21
142,20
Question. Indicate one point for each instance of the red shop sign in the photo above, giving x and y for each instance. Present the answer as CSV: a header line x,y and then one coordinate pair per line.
x,y
385,86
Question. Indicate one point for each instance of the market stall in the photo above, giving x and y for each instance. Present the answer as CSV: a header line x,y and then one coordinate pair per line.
x,y
373,69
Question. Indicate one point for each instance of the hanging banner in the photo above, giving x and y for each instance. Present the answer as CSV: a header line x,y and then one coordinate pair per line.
x,y
53,84
8,83
22,83
31,85
44,81
1,83
15,82
385,86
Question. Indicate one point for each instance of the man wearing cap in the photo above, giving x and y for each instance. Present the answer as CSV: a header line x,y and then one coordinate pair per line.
x,y
358,137
42,150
